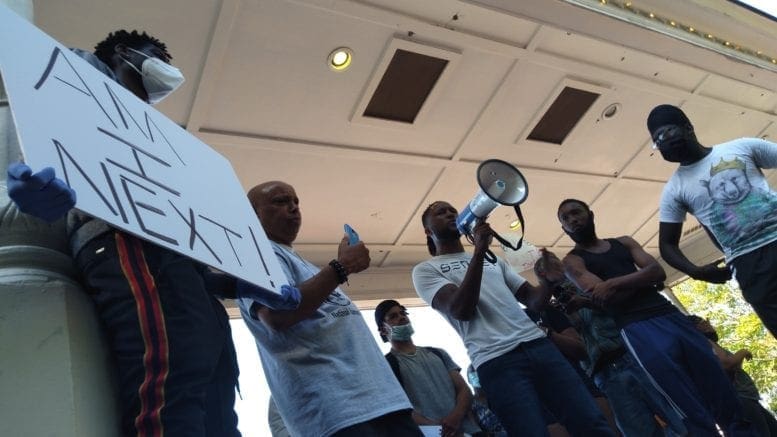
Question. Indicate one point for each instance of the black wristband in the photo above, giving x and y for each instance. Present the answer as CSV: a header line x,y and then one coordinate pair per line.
x,y
342,275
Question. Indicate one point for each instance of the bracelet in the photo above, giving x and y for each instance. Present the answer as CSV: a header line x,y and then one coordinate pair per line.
x,y
342,275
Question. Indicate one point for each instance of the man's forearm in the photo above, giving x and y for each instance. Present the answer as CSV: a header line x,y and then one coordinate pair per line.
x,y
673,256
313,292
639,280
464,299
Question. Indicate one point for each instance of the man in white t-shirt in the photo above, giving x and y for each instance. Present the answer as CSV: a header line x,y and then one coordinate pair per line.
x,y
519,368
325,371
725,189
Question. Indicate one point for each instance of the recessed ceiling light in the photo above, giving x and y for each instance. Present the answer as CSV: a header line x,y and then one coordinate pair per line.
x,y
515,225
340,58
610,111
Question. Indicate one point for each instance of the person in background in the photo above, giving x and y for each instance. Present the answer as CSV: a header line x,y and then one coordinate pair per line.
x,y
763,420
430,378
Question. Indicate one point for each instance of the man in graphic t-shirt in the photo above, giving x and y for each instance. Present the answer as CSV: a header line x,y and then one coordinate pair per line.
x,y
725,189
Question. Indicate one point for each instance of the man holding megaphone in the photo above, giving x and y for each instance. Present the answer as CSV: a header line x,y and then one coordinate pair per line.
x,y
519,368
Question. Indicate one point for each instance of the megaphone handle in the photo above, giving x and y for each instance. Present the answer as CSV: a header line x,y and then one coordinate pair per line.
x,y
490,257
507,243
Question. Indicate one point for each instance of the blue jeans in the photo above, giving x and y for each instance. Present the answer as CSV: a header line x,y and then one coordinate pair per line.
x,y
635,401
518,383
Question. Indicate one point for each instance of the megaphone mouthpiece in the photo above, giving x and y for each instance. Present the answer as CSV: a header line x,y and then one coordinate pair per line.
x,y
500,183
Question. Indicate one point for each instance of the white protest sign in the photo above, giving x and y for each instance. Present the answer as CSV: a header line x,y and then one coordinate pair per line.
x,y
129,164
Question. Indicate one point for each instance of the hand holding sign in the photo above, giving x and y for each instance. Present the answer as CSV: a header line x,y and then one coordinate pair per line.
x,y
40,194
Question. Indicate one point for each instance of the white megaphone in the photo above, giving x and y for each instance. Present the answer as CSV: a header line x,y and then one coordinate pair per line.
x,y
500,184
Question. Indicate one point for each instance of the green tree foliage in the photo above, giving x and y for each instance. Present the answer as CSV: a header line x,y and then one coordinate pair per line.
x,y
738,328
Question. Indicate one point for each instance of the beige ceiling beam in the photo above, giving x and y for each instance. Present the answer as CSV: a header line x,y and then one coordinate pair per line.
x,y
436,31
222,139
211,70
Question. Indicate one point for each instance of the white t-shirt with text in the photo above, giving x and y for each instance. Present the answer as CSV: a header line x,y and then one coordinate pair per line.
x,y
499,324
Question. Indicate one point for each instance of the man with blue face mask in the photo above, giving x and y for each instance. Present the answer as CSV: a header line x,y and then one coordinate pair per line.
x,y
432,381
169,336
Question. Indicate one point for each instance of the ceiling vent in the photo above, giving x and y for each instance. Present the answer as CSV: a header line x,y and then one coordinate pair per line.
x,y
405,84
563,115
562,112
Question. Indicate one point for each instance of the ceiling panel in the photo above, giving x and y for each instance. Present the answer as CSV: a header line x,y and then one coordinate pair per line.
x,y
739,93
463,17
374,197
715,124
526,90
322,101
625,207
610,55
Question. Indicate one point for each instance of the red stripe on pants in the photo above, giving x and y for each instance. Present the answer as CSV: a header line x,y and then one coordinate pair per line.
x,y
152,327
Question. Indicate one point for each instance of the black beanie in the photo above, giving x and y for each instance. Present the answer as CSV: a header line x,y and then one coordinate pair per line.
x,y
663,115
380,313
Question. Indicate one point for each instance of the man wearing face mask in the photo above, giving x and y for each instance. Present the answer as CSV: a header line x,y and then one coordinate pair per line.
x,y
622,279
430,378
170,337
725,189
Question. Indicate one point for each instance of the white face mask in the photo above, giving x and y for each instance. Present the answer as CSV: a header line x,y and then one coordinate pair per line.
x,y
159,78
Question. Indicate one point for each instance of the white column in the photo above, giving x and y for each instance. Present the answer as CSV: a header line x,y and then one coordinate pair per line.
x,y
54,367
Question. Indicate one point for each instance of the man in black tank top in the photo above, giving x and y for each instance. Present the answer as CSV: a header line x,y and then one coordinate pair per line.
x,y
624,280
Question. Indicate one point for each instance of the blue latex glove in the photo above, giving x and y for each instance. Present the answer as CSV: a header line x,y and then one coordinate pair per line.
x,y
40,194
289,298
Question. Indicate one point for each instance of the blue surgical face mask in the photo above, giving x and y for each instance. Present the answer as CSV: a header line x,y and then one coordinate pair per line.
x,y
401,332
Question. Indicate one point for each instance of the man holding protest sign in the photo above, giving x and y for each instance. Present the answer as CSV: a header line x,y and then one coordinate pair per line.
x,y
170,337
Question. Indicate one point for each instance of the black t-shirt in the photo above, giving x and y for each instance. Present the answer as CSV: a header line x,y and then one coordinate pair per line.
x,y
617,261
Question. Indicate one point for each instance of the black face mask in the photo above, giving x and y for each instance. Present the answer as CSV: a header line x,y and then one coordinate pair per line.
x,y
675,143
585,234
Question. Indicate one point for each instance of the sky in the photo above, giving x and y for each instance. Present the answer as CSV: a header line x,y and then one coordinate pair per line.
x,y
767,6
430,330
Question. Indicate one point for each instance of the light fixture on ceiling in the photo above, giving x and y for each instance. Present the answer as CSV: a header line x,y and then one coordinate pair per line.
x,y
515,225
340,58
610,111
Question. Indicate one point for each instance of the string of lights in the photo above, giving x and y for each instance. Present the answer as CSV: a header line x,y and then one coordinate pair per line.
x,y
628,11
